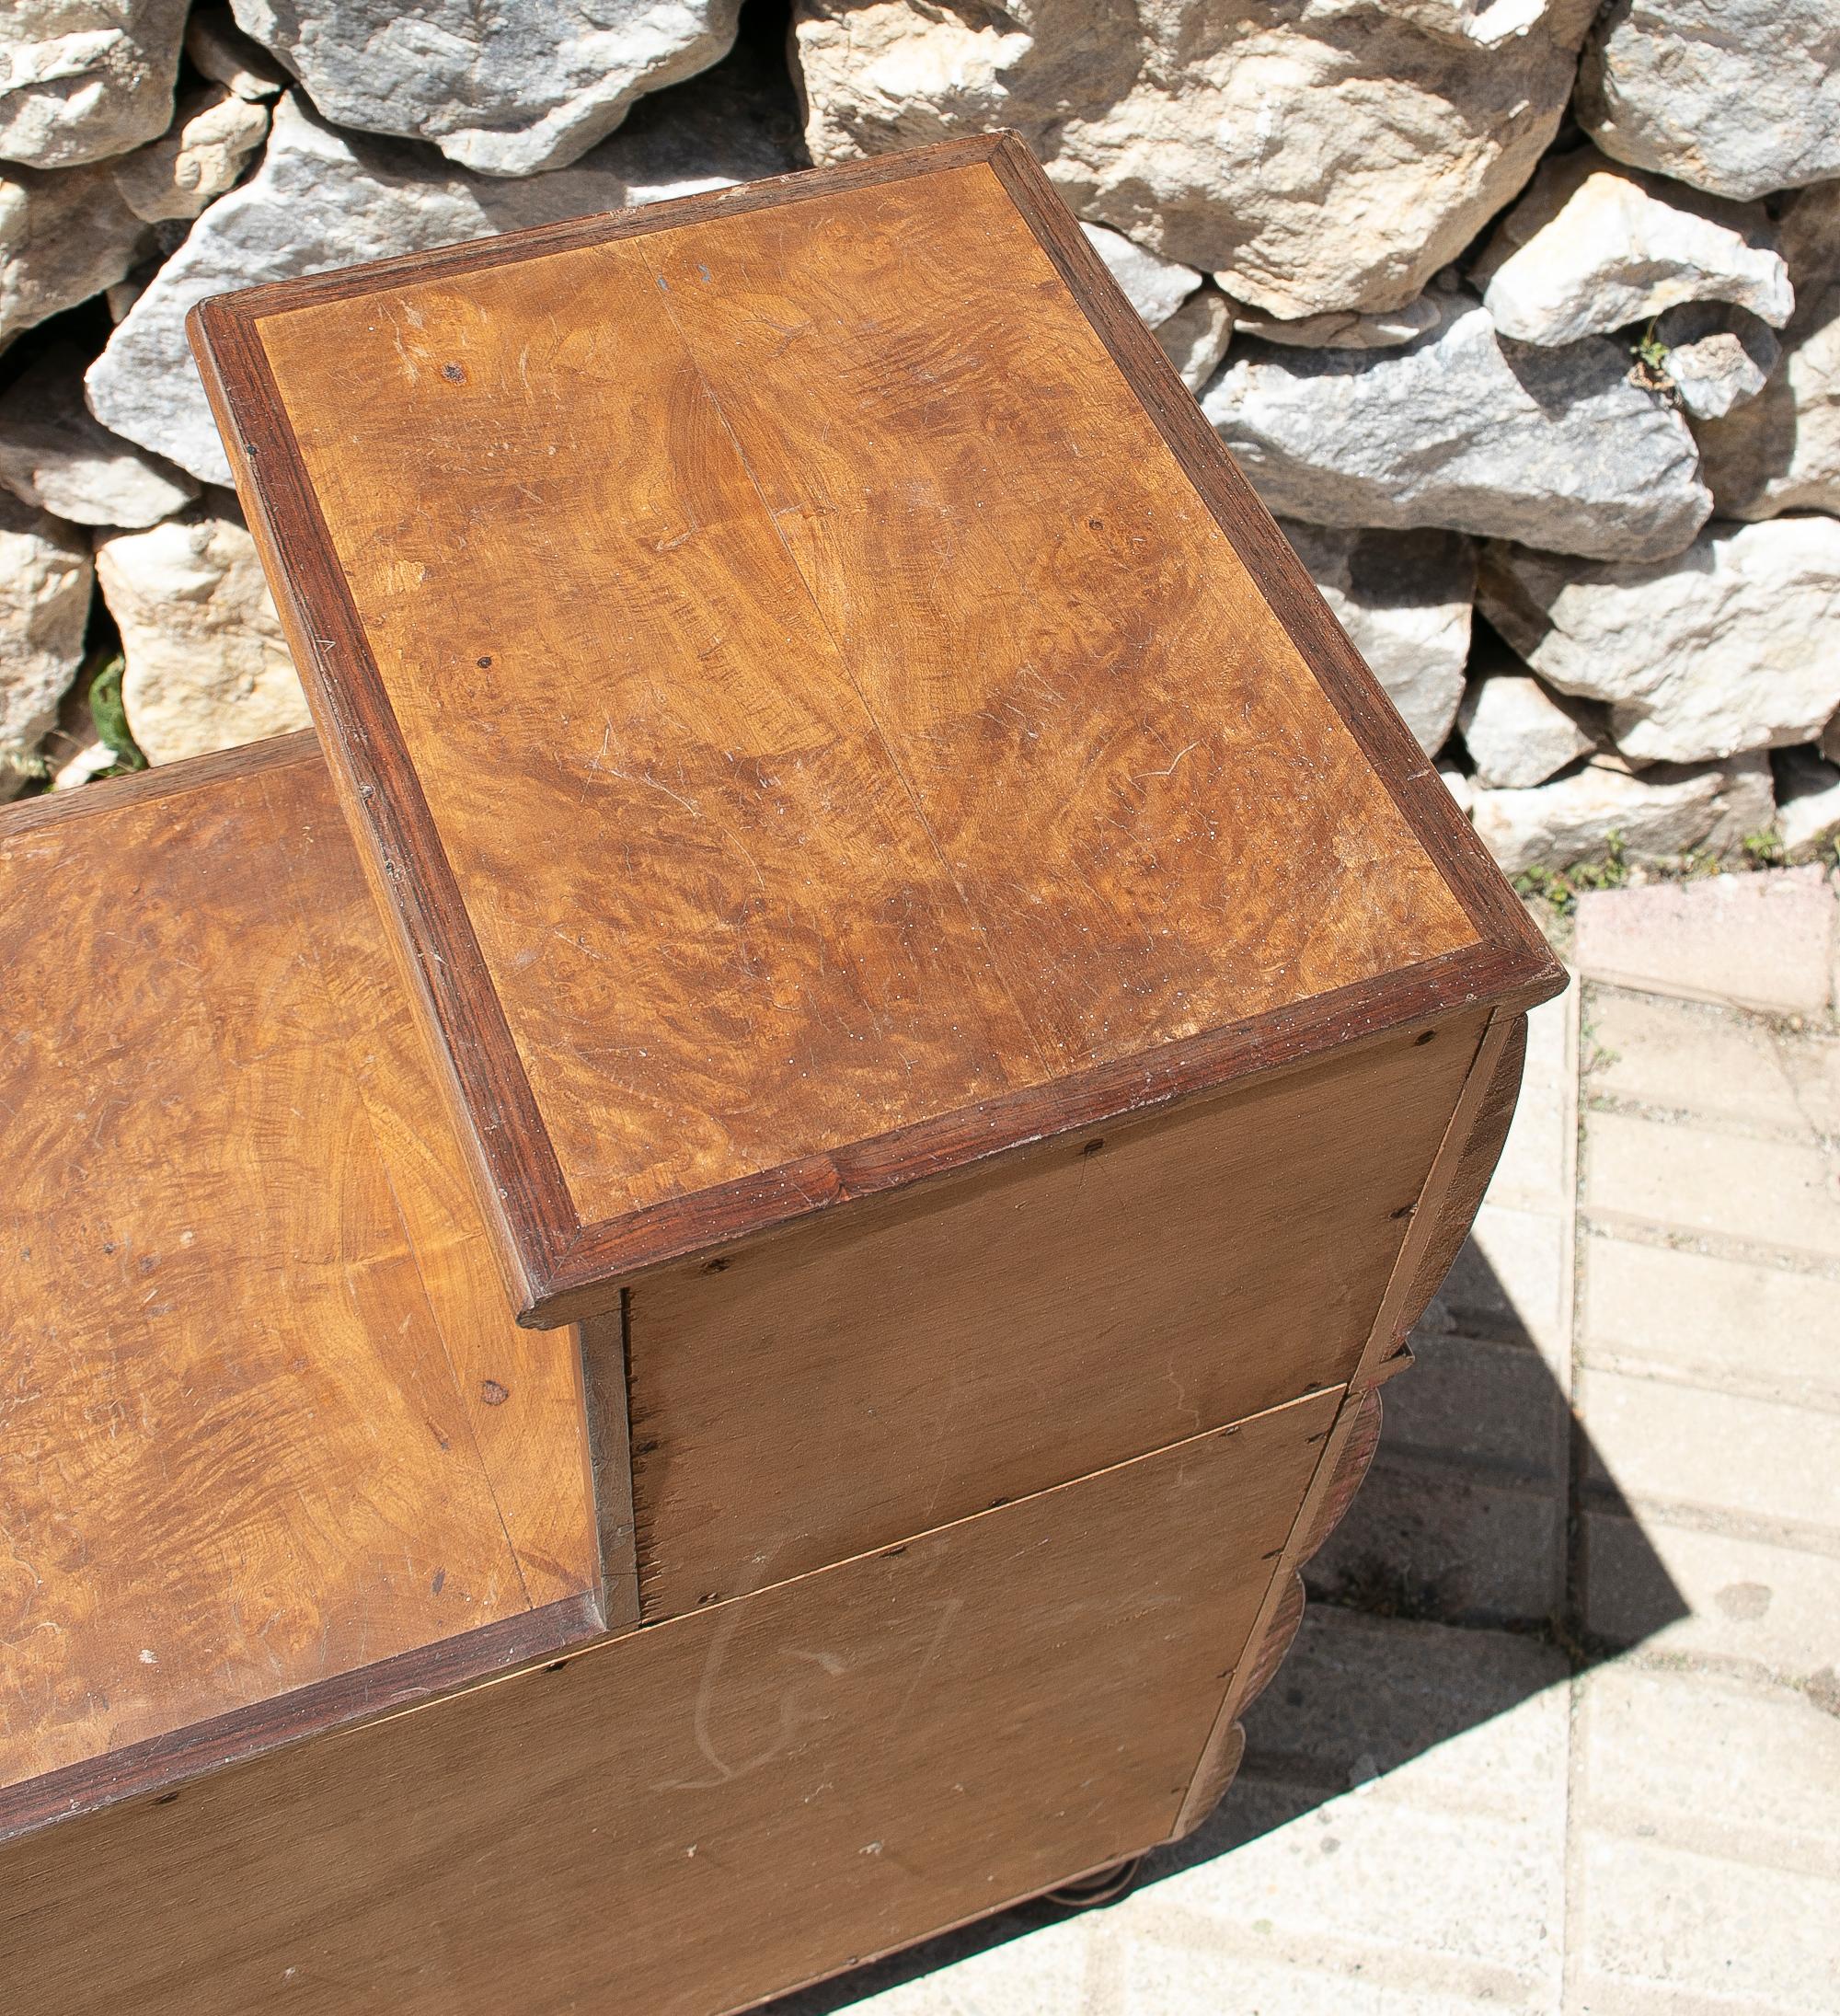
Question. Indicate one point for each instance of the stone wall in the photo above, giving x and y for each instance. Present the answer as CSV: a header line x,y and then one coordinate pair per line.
x,y
1524,315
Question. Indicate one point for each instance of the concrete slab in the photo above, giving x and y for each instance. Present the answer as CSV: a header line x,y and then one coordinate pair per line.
x,y
1754,1466
1658,1930
1758,941
1463,1517
1034,1966
1436,1882
1734,1324
1696,1178
1723,1600
1711,1765
1448,1541
1510,1283
1682,1055
1706,1844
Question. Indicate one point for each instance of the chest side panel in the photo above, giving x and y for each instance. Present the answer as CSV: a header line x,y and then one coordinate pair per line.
x,y
851,1383
912,1739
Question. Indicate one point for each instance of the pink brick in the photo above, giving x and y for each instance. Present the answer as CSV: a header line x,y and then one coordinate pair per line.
x,y
1758,941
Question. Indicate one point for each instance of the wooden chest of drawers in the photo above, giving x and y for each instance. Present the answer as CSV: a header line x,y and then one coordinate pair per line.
x,y
967,1026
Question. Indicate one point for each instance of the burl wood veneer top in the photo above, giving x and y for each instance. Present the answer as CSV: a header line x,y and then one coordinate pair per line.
x,y
819,701
270,1448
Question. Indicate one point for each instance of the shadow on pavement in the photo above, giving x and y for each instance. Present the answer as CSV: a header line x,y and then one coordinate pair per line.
x,y
1464,1545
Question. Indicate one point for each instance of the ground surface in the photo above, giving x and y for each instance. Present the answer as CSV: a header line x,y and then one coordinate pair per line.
x,y
1562,1731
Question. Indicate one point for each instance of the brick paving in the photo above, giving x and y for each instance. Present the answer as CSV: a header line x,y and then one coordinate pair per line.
x,y
1561,1732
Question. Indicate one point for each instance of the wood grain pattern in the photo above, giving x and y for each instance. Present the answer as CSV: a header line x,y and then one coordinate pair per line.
x,y
1027,588
896,701
701,1813
264,1427
872,1374
1469,1180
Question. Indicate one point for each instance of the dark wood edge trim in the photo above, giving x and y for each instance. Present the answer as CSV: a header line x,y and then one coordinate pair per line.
x,y
343,1701
602,1355
589,1275
109,794
1390,747
1388,1333
1264,1656
557,1271
1208,1782
527,1208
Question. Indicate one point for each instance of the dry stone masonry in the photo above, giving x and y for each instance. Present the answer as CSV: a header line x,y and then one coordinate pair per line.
x,y
1524,315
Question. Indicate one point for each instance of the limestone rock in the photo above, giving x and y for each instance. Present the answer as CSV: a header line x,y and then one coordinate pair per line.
x,y
45,581
503,90
1733,645
1154,286
323,199
1667,811
83,79
1829,744
207,666
1315,157
54,455
1782,451
220,51
1517,733
1556,448
1461,787
1739,96
1808,803
1196,337
1717,357
1592,246
64,235
1347,330
1404,598
212,136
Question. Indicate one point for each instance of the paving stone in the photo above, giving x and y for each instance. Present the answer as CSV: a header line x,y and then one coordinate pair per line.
x,y
1813,1066
1662,1931
1509,1282
1361,1697
1710,1595
1760,941
1494,1405
1706,1843
1018,1965
1710,1764
1661,1443
1534,1171
1304,1977
1715,1323
1449,1541
1700,1179
1440,1874
1681,1054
